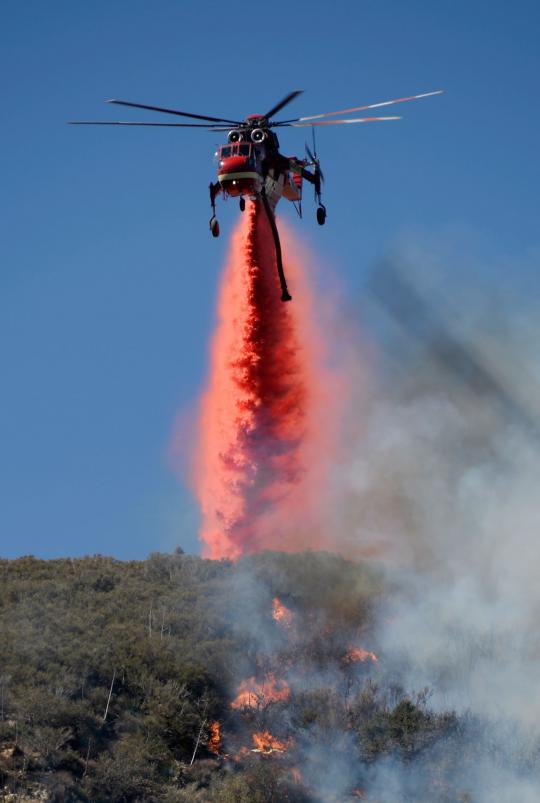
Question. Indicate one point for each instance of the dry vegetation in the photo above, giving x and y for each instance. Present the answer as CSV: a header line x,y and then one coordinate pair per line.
x,y
113,676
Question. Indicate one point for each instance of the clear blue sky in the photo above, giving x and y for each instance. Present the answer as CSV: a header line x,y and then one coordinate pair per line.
x,y
108,274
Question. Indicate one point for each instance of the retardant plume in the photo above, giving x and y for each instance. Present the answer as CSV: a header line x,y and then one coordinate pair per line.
x,y
267,420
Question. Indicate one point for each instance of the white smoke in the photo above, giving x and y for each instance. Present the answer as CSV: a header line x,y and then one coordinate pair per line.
x,y
441,489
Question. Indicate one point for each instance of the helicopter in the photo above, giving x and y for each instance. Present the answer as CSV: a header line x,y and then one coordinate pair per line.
x,y
250,163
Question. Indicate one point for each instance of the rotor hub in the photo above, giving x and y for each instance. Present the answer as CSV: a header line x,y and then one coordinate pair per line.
x,y
256,121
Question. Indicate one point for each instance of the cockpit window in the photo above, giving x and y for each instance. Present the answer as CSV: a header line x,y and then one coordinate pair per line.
x,y
242,149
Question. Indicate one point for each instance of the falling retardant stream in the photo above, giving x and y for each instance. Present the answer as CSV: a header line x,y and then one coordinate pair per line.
x,y
266,418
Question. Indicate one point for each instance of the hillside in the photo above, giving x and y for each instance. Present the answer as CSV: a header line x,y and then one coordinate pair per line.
x,y
181,679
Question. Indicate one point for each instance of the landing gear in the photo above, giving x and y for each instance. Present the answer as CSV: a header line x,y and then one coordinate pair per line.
x,y
215,189
214,226
242,204
321,215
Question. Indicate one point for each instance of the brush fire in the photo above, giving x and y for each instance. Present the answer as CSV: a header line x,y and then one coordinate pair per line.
x,y
281,614
266,743
214,738
358,655
267,709
254,694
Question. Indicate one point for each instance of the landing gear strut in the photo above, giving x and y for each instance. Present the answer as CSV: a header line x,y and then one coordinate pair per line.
x,y
321,209
316,179
215,189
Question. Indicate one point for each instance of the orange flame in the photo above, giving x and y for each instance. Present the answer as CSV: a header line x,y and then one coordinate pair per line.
x,y
281,614
214,738
358,655
263,453
252,694
266,743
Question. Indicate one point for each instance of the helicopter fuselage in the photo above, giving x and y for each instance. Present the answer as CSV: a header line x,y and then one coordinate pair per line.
x,y
250,164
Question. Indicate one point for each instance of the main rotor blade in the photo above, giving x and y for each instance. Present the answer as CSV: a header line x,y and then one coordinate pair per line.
x,y
287,99
173,111
341,122
369,106
160,125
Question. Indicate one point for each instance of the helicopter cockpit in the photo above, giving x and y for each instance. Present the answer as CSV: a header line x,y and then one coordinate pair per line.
x,y
235,149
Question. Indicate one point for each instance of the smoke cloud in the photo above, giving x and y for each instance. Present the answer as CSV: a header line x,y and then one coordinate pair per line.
x,y
442,489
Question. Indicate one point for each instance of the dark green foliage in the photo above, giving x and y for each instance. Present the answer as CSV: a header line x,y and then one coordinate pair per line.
x,y
68,627
407,729
259,783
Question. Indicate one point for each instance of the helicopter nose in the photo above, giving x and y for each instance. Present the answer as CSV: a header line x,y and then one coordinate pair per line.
x,y
237,175
233,164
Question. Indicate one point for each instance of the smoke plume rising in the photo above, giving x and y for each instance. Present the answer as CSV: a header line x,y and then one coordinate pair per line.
x,y
443,486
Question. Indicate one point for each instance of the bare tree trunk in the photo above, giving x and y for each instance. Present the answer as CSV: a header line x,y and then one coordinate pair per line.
x,y
162,624
109,698
203,723
87,757
4,683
